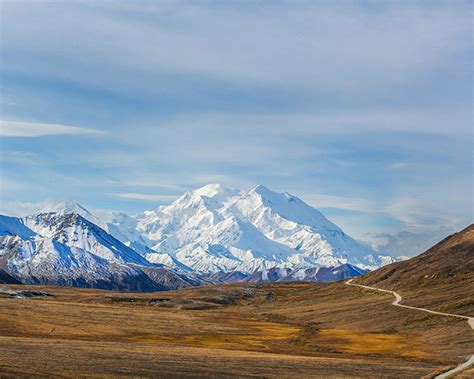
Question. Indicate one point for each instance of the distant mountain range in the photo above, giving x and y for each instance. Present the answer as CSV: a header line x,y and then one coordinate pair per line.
x,y
212,234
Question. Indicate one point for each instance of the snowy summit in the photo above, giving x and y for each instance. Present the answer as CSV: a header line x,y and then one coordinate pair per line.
x,y
206,233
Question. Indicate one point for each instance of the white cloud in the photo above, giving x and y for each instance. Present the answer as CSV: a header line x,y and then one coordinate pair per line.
x,y
24,208
306,45
408,243
151,181
348,67
339,202
35,129
145,197
427,212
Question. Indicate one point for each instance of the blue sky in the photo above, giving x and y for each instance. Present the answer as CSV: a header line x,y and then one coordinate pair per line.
x,y
363,109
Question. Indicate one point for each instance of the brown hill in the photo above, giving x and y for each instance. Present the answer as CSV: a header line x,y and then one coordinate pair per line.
x,y
442,278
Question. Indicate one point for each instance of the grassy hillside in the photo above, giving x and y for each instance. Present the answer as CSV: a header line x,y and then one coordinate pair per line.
x,y
442,278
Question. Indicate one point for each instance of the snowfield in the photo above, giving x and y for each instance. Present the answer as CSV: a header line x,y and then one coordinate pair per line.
x,y
219,229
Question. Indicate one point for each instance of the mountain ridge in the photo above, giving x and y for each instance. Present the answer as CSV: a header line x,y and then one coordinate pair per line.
x,y
210,234
192,232
215,218
66,249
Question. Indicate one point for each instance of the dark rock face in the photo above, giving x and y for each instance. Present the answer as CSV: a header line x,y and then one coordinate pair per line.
x,y
224,277
331,274
6,278
169,279
132,282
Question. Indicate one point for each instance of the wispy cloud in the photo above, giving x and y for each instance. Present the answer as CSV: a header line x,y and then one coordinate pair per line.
x,y
35,129
427,214
382,139
340,202
23,208
407,243
145,197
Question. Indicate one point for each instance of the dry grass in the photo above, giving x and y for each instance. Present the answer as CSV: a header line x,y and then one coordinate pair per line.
x,y
271,330
442,278
363,343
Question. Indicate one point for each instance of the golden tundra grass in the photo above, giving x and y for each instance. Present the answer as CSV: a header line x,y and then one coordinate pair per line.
x,y
271,330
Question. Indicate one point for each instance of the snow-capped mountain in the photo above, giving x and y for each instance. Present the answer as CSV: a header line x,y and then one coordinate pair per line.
x,y
277,274
75,231
211,234
67,249
314,274
119,225
216,229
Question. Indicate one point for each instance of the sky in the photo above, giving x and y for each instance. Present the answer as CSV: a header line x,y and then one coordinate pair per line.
x,y
362,109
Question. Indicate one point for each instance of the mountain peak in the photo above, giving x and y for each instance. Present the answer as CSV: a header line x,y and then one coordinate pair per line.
x,y
210,189
262,190
268,193
216,191
67,206
273,197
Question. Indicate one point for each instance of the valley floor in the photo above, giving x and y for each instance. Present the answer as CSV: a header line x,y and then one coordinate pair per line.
x,y
269,330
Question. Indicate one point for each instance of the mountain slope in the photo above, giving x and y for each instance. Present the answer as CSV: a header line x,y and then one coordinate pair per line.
x,y
119,225
214,229
75,231
66,249
14,226
442,278
36,259
289,220
315,274
6,278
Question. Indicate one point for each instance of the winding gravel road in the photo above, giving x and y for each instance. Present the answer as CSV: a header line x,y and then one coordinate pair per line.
x,y
396,302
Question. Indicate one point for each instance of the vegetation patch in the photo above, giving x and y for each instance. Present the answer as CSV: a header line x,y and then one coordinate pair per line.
x,y
363,343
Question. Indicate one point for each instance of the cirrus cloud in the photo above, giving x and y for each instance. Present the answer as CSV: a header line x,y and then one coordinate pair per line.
x,y
36,129
145,197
